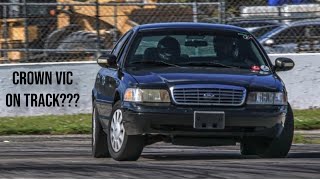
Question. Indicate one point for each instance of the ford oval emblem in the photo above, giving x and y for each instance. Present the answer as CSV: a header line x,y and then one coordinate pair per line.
x,y
208,95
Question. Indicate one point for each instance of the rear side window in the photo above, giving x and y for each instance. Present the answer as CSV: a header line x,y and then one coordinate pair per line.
x,y
312,31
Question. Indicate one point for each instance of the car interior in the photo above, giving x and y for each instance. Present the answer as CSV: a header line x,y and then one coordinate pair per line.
x,y
184,49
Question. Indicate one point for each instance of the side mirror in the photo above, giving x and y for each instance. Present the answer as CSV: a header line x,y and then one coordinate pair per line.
x,y
107,61
269,42
283,64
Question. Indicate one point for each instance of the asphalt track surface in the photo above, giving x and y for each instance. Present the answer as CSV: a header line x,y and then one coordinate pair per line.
x,y
70,157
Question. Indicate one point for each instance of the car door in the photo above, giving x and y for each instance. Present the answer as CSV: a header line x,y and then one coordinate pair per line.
x,y
310,42
109,81
287,40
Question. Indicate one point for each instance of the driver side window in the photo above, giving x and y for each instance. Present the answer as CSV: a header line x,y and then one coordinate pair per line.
x,y
290,35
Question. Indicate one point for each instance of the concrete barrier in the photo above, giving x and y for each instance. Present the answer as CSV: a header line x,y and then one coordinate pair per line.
x,y
83,80
303,84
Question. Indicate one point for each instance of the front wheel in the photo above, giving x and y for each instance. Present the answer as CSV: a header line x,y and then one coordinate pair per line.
x,y
122,147
276,148
247,148
280,147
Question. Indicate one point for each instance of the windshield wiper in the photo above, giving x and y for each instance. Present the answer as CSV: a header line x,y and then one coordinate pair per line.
x,y
155,63
211,64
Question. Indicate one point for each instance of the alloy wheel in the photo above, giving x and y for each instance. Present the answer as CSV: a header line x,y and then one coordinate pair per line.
x,y
117,131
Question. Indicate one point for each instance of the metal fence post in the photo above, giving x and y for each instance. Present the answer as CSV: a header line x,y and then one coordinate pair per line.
x,y
26,30
280,13
115,31
98,24
195,11
5,32
222,18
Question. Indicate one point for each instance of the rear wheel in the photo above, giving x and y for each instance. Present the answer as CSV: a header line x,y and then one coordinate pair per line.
x,y
53,39
99,137
80,40
78,43
122,147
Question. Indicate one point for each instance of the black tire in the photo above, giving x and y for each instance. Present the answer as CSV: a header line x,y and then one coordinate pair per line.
x,y
53,39
78,44
280,147
99,137
247,148
276,148
131,147
80,40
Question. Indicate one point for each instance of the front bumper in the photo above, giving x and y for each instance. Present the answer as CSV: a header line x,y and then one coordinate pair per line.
x,y
265,121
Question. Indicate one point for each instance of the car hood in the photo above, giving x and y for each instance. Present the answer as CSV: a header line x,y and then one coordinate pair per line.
x,y
170,76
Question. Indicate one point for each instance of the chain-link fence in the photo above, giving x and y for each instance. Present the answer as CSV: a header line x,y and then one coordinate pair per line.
x,y
73,30
69,30
281,26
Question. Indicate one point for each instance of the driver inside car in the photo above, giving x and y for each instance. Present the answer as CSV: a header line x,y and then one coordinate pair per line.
x,y
169,49
229,51
226,49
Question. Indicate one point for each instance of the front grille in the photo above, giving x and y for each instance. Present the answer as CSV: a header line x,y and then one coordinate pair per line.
x,y
208,94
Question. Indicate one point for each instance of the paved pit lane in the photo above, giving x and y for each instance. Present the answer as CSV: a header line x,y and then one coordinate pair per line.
x,y
70,157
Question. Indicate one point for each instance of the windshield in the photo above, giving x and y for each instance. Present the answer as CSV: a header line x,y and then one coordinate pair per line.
x,y
218,49
263,30
274,31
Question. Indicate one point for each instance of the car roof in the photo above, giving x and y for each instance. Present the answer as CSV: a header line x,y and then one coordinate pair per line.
x,y
305,22
254,22
291,25
189,25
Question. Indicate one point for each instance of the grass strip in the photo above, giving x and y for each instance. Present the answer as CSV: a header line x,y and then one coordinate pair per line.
x,y
81,123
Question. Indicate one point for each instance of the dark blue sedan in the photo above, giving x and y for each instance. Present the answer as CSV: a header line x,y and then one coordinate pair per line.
x,y
190,84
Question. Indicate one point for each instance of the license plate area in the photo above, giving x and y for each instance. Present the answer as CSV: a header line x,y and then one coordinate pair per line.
x,y
209,120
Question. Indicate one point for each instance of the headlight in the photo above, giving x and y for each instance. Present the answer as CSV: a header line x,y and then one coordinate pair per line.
x,y
146,95
268,98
